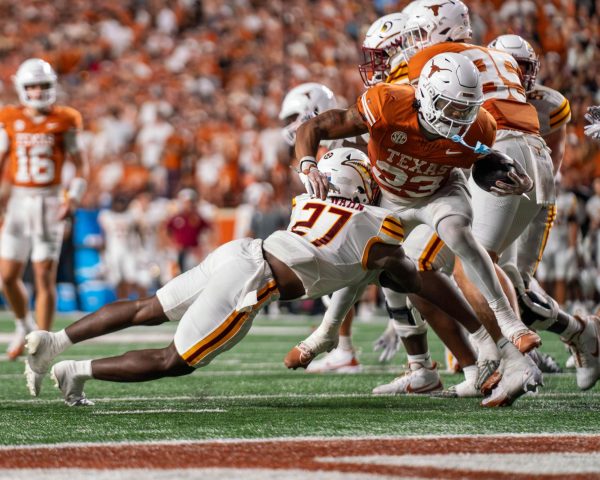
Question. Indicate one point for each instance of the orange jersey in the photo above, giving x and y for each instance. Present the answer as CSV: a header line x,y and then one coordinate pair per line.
x,y
403,160
37,149
503,92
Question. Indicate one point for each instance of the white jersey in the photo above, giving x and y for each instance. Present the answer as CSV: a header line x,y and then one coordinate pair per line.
x,y
552,107
328,241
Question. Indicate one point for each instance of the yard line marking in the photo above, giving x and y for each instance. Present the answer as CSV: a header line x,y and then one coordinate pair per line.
x,y
159,410
308,439
309,396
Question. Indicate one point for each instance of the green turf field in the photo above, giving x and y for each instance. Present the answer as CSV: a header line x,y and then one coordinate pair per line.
x,y
247,393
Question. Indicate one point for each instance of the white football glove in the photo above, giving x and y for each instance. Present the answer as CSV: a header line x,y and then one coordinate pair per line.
x,y
389,343
307,185
593,117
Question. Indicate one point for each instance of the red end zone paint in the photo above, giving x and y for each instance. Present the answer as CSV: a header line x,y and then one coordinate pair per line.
x,y
304,455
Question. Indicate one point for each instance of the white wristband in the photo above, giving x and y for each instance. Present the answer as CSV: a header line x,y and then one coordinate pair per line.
x,y
306,163
77,189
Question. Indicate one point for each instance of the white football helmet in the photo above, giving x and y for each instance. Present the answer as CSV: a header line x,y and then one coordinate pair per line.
x,y
432,22
381,49
450,94
36,71
349,174
523,53
303,102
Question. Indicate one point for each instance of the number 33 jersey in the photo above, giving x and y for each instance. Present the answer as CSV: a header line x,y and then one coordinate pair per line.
x,y
327,242
37,147
404,162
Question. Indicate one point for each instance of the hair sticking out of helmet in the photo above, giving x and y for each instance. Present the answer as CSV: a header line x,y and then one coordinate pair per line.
x,y
31,74
349,173
381,49
450,94
301,103
523,53
431,22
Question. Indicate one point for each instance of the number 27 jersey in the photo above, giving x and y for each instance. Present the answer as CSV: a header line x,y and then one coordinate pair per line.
x,y
37,148
327,242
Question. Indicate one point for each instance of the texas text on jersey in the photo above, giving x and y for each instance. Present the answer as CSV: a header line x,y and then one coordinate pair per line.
x,y
37,148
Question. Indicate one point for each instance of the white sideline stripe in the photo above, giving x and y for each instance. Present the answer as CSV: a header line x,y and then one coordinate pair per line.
x,y
159,410
186,474
522,463
308,396
298,439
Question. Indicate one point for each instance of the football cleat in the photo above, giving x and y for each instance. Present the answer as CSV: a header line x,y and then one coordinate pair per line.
x,y
417,380
544,362
518,376
42,351
299,356
464,389
526,340
65,378
338,360
452,365
487,376
585,347
570,363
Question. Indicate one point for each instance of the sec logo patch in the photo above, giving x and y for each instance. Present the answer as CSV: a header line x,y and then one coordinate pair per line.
x,y
399,137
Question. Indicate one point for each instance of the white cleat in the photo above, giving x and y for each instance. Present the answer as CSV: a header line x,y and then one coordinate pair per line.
x,y
65,377
42,351
417,380
338,360
464,389
585,348
519,376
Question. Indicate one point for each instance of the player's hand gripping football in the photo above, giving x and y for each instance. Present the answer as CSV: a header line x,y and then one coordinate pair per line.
x,y
388,343
299,356
593,117
522,183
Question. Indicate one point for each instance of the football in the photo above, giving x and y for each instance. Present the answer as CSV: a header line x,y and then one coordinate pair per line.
x,y
492,167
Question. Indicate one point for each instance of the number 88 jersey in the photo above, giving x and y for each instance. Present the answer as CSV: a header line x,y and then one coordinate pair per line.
x,y
37,148
327,242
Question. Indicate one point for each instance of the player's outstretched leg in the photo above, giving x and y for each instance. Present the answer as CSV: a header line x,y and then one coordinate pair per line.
x,y
44,347
135,366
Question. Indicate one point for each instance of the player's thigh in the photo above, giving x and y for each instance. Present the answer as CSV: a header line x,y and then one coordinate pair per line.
x,y
221,315
429,252
15,238
48,231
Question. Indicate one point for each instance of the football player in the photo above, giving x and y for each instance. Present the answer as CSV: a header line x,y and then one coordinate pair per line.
x,y
386,63
520,260
35,140
416,164
341,240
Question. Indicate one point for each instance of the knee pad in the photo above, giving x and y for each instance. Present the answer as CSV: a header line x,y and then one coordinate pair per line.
x,y
407,320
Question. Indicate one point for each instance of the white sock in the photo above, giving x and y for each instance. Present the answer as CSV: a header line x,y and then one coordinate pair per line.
x,y
486,347
61,341
507,349
508,321
423,359
470,373
573,328
29,322
83,369
345,343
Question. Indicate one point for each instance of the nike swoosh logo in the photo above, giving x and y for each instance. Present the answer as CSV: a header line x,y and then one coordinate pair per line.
x,y
453,152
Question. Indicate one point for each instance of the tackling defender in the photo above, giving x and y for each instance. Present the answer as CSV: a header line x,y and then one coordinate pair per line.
x,y
35,140
216,308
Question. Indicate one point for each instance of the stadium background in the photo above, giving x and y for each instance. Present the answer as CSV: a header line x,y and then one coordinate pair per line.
x,y
186,94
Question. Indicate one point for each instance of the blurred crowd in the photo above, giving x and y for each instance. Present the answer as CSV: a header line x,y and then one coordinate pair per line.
x,y
185,94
